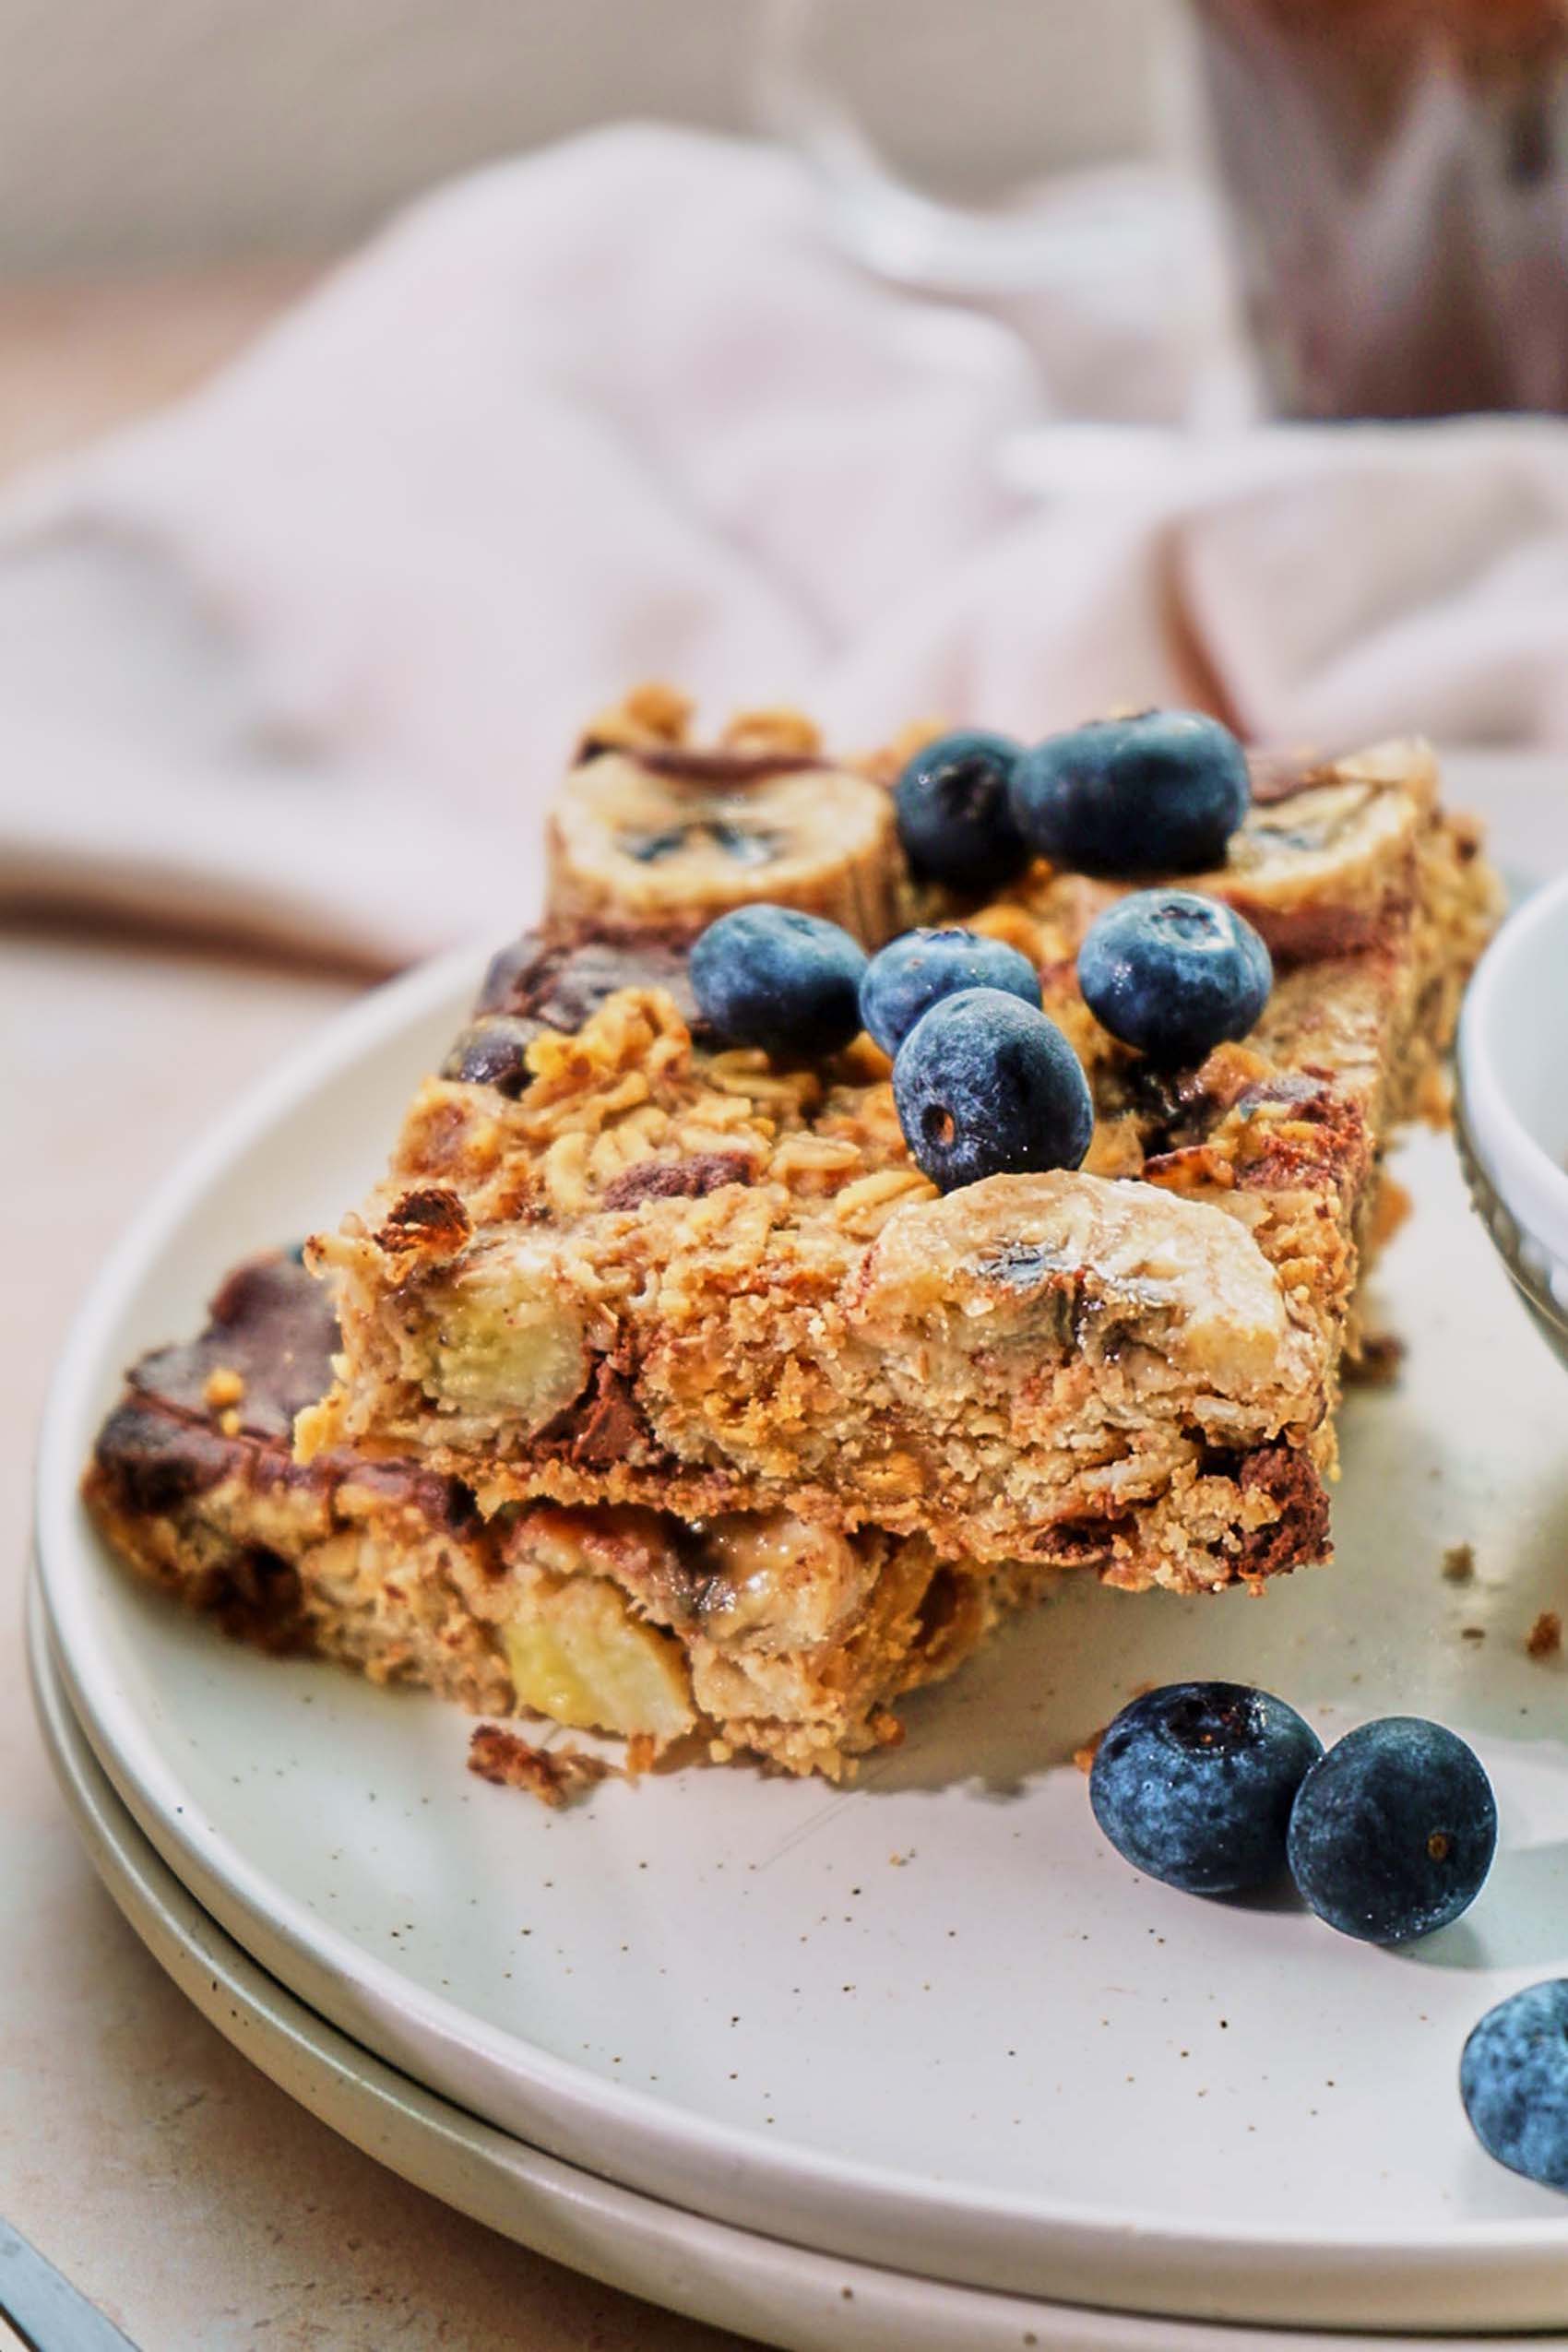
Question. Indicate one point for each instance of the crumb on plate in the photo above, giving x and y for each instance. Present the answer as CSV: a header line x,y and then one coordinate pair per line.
x,y
555,1775
1545,1636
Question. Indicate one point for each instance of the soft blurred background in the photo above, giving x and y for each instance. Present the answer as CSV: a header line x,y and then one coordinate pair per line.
x,y
170,175
187,132
374,403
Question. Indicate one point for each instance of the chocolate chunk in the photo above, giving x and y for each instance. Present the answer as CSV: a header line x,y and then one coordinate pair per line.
x,y
558,980
492,1052
677,1179
1287,1475
257,1597
151,1461
606,1425
428,1220
272,1323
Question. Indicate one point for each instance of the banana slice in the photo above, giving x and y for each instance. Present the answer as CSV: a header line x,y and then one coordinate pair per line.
x,y
1317,863
576,1653
663,835
1327,852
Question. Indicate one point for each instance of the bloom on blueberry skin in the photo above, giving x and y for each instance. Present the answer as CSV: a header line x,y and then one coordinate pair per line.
x,y
905,979
1513,2082
986,1085
1193,1784
1160,792
955,815
773,977
1392,1834
1174,974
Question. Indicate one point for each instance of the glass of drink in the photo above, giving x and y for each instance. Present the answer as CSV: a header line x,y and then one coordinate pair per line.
x,y
1397,180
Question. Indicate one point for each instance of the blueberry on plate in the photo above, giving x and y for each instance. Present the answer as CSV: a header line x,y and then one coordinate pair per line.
x,y
911,974
1161,793
773,977
1193,1784
954,815
1174,974
1393,1834
1514,2081
986,1085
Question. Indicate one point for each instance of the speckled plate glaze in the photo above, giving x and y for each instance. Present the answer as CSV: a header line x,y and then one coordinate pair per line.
x,y
783,2294
932,2023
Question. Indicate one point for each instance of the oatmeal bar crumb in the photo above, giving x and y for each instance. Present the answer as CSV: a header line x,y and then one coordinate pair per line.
x,y
224,1386
555,1775
1458,1564
1545,1636
1084,1757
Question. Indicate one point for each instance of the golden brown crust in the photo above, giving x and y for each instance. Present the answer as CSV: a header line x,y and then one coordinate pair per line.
x,y
783,1641
696,1235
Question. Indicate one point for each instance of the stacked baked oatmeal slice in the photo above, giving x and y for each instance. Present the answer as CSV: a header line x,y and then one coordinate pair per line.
x,y
671,1397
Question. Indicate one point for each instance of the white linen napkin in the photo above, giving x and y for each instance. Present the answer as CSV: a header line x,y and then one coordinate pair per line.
x,y
303,656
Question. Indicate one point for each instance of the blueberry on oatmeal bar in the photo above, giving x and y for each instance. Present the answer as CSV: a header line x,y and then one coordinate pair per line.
x,y
1159,793
955,820
985,1085
1174,975
911,974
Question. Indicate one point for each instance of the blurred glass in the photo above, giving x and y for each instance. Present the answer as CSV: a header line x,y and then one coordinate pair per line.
x,y
941,129
1397,175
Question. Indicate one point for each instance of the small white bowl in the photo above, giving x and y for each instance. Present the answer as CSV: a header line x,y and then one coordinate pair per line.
x,y
1512,1114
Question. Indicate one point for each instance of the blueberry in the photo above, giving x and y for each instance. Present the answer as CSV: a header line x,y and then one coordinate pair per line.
x,y
1161,794
915,972
1514,2081
955,818
1193,1784
1174,974
985,1085
773,977
1393,1833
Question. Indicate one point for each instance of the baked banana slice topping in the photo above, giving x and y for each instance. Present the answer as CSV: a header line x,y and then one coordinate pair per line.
x,y
669,837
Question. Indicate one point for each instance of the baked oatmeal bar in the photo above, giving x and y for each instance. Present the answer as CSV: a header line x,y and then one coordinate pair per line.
x,y
759,1633
616,1262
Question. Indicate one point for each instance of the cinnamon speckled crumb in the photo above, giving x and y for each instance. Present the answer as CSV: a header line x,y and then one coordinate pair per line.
x,y
1084,1757
1458,1564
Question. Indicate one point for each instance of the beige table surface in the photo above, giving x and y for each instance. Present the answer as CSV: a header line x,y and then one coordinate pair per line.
x,y
191,2200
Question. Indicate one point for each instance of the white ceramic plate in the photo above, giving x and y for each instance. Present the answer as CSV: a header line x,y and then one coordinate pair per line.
x,y
813,2302
932,2023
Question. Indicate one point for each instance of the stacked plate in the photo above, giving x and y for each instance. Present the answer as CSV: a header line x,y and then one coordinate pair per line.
x,y
921,2062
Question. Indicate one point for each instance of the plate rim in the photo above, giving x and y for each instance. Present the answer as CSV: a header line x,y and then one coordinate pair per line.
x,y
845,2205
147,1892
